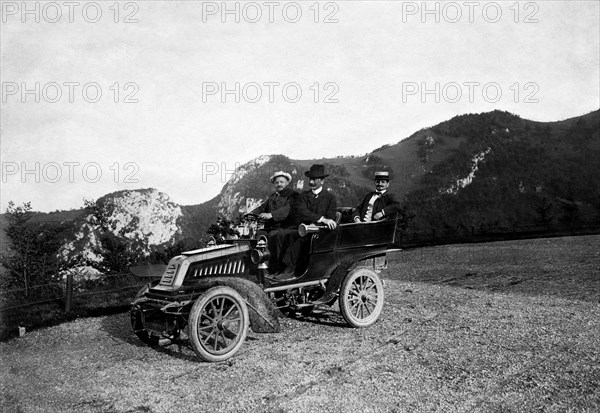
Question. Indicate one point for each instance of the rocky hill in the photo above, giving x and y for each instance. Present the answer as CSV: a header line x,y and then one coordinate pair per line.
x,y
485,171
144,220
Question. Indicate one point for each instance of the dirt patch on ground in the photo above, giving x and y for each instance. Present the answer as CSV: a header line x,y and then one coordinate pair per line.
x,y
437,346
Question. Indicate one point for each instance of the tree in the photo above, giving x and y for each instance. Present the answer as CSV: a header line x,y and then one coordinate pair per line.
x,y
571,211
32,257
544,210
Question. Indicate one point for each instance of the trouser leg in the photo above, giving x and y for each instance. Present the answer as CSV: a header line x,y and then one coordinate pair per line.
x,y
276,241
294,248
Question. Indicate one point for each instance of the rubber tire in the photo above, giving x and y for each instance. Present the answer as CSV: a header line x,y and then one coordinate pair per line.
x,y
355,297
199,309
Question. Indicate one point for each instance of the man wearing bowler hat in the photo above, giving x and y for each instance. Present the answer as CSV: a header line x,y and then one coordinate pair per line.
x,y
276,213
315,206
378,204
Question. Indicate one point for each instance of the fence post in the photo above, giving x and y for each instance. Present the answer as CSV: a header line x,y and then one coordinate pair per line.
x,y
69,292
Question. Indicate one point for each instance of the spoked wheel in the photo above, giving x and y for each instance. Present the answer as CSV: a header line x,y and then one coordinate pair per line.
x,y
218,324
361,297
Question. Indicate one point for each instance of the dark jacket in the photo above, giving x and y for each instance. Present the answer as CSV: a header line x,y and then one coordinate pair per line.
x,y
279,206
306,209
386,203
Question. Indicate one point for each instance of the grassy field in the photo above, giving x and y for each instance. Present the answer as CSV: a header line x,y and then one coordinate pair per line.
x,y
566,267
498,327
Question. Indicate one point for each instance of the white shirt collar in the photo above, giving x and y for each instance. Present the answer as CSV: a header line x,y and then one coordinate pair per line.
x,y
317,191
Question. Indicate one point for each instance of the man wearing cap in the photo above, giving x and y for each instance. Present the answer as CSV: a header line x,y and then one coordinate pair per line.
x,y
379,204
276,207
315,206
276,212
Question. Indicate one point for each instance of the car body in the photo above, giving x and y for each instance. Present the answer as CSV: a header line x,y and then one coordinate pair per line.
x,y
210,297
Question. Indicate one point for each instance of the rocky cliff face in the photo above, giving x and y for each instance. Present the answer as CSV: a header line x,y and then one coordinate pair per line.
x,y
146,218
234,196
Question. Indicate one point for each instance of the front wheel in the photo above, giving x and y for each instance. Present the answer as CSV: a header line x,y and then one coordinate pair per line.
x,y
361,297
218,324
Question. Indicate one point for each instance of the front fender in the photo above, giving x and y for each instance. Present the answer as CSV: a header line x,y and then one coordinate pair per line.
x,y
335,281
262,312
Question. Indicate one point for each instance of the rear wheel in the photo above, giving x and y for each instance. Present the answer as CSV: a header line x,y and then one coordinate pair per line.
x,y
218,324
361,297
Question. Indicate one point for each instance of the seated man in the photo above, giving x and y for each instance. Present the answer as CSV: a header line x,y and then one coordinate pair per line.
x,y
315,206
378,204
276,212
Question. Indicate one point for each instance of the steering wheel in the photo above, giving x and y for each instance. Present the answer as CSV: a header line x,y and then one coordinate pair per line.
x,y
255,218
251,217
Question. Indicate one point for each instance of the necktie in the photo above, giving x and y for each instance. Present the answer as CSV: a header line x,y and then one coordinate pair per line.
x,y
369,214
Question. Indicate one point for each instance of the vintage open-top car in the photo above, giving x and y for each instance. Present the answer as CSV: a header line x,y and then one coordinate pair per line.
x,y
210,297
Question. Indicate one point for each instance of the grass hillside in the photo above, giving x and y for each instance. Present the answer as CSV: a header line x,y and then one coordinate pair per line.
x,y
528,173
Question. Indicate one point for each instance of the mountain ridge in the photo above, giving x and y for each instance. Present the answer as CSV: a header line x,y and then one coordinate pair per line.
x,y
489,169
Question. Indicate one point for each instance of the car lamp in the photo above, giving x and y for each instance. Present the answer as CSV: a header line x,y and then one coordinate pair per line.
x,y
260,254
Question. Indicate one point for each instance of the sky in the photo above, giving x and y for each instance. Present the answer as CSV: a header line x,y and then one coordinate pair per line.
x,y
106,96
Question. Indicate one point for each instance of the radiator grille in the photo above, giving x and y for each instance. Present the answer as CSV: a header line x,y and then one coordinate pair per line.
x,y
233,266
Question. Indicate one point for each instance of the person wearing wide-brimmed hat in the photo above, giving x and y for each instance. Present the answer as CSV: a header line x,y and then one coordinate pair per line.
x,y
275,210
315,206
379,204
